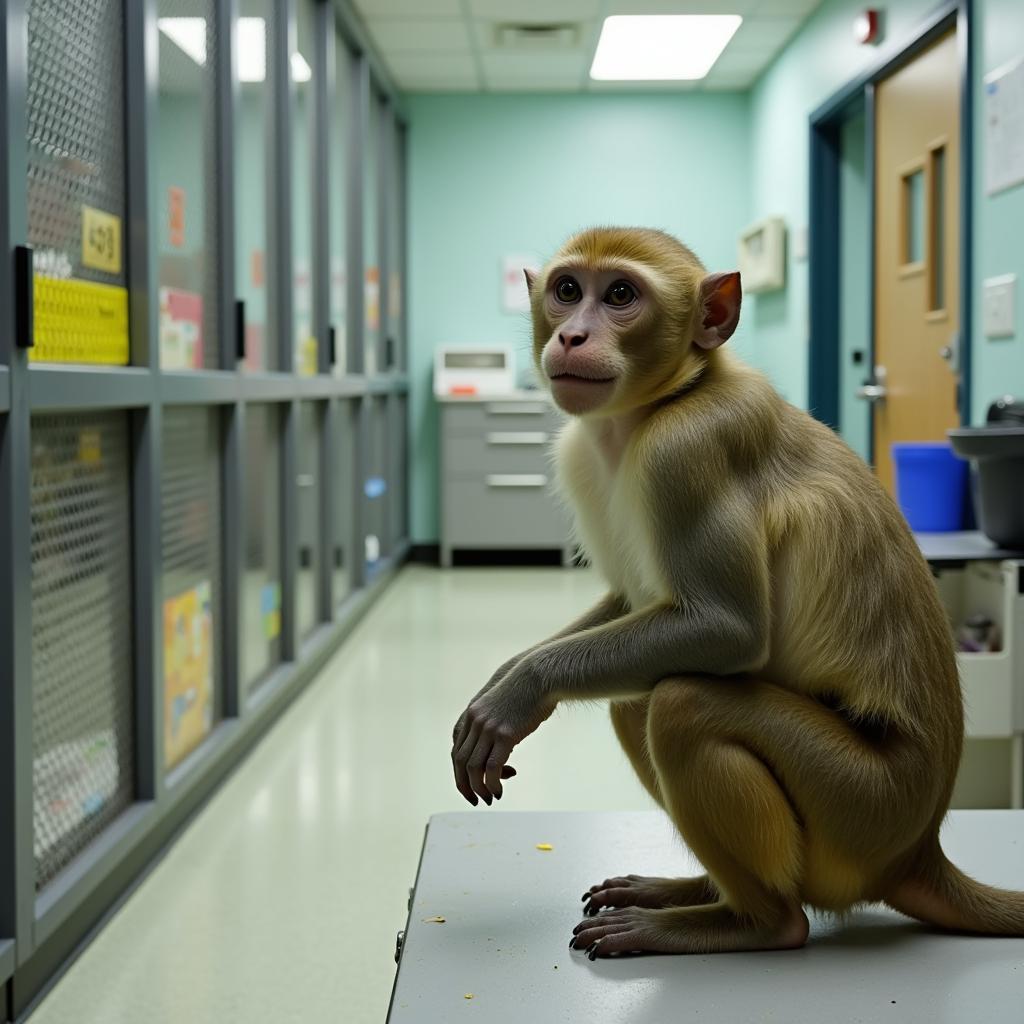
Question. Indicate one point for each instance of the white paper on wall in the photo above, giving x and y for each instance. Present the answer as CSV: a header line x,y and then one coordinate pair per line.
x,y
1004,127
516,299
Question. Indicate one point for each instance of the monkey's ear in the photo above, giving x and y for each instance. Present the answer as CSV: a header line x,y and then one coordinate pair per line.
x,y
530,276
719,313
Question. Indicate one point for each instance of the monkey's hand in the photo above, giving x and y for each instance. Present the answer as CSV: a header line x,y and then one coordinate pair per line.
x,y
488,729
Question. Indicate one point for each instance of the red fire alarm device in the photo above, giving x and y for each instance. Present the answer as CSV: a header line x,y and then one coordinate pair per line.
x,y
865,27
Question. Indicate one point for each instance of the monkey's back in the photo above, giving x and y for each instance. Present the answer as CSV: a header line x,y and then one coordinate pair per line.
x,y
857,614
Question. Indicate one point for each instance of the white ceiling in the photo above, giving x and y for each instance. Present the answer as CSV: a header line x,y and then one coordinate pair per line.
x,y
446,45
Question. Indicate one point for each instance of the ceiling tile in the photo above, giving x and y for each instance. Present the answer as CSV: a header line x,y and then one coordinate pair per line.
x,y
733,60
681,6
765,34
485,33
563,67
409,8
431,65
434,35
783,7
538,83
451,84
688,85
540,11
728,80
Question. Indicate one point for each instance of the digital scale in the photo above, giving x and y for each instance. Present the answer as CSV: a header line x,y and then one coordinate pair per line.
x,y
474,370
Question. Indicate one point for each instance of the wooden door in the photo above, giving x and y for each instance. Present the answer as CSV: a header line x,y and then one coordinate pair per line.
x,y
917,245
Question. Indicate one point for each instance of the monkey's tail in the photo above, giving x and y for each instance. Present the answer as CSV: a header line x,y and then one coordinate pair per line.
x,y
945,896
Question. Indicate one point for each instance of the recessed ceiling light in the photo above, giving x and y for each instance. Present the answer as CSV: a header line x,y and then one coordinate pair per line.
x,y
188,33
661,47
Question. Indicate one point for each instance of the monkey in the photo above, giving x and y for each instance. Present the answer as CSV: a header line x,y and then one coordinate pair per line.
x,y
778,665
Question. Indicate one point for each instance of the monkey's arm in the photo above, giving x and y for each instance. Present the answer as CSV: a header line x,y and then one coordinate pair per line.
x,y
610,607
717,622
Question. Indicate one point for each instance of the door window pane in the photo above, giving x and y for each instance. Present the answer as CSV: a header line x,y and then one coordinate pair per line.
x,y
75,149
252,213
938,233
303,191
186,176
913,217
261,584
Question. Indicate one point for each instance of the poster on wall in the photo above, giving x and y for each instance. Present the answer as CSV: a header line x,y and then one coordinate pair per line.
x,y
1004,127
181,330
270,610
188,671
515,297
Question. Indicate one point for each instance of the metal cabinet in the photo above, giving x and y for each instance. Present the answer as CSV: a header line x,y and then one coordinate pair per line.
x,y
497,477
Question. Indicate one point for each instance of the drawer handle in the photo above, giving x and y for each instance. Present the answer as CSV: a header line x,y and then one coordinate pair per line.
x,y
521,437
517,408
517,480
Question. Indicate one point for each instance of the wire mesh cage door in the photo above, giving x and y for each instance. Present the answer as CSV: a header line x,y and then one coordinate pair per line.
x,y
82,685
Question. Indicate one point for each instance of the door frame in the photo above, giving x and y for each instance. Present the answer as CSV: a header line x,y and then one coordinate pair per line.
x,y
824,227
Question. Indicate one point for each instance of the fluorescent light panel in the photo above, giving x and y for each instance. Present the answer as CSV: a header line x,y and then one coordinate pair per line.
x,y
661,47
189,34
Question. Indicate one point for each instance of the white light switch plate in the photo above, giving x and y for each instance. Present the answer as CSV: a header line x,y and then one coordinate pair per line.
x,y
999,306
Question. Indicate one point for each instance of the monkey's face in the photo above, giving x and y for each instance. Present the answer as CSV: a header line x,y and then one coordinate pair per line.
x,y
590,318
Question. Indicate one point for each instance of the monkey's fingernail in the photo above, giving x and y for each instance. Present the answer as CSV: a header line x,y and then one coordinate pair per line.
x,y
576,930
592,956
572,943
592,950
585,897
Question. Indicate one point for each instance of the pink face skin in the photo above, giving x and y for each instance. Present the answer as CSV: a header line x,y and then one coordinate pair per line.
x,y
590,310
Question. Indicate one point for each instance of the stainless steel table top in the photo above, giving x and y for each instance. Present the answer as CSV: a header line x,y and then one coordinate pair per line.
x,y
509,910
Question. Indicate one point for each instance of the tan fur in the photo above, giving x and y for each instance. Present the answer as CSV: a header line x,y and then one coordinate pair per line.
x,y
821,770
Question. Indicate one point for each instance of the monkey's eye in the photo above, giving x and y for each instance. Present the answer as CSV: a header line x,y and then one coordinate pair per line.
x,y
567,290
620,294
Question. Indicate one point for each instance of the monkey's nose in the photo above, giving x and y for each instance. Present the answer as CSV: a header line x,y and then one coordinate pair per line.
x,y
573,340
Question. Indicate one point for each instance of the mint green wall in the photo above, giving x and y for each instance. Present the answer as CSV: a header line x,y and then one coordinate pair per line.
x,y
999,220
494,175
821,58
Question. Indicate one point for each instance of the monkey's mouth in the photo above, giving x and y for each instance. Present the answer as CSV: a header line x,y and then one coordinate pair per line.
x,y
579,378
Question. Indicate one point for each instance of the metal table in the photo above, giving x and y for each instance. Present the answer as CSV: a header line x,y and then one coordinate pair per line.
x,y
509,910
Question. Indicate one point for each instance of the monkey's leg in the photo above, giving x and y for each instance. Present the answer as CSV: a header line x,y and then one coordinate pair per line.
x,y
734,816
629,719
737,760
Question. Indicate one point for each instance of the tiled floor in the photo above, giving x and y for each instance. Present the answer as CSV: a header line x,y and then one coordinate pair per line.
x,y
281,901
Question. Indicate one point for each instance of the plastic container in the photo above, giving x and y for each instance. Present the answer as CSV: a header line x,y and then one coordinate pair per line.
x,y
930,485
998,454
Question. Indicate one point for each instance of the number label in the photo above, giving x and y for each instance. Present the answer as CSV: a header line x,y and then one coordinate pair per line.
x,y
101,240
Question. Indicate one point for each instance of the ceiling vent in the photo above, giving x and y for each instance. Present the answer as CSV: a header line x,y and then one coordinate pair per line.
x,y
560,36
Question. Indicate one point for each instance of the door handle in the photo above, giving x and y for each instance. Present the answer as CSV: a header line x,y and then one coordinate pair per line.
x,y
872,392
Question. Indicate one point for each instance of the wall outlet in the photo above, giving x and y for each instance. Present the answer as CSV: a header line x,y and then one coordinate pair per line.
x,y
999,306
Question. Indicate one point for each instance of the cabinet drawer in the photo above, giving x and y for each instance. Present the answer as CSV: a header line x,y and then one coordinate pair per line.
x,y
503,510
482,417
498,452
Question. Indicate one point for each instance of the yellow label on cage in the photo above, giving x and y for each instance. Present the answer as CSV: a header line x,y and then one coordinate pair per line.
x,y
80,322
101,240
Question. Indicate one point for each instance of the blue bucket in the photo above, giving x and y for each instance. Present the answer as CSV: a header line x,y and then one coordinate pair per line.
x,y
931,483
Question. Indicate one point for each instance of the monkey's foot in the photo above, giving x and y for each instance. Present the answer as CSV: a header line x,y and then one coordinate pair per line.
x,y
654,893
708,929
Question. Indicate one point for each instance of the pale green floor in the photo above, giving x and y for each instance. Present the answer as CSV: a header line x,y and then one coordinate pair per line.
x,y
281,901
